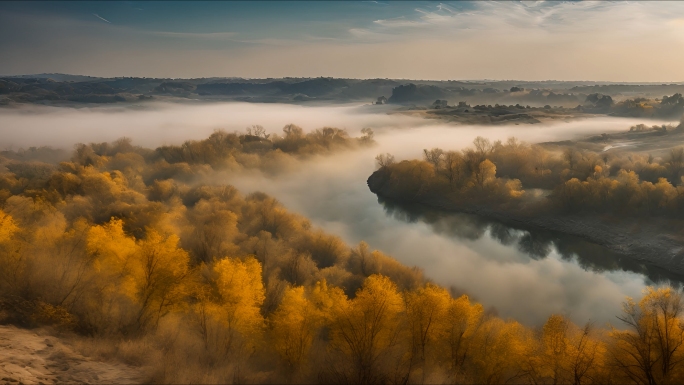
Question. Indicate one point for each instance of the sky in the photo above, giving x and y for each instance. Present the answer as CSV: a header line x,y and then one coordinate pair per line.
x,y
521,40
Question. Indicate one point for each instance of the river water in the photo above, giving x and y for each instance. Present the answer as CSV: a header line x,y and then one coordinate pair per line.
x,y
521,274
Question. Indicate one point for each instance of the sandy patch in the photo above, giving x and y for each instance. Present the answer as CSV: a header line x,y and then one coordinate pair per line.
x,y
29,357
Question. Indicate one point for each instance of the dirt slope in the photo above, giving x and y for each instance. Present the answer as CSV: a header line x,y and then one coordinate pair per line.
x,y
28,357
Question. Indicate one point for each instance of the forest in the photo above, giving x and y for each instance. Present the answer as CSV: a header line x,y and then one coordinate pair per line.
x,y
144,256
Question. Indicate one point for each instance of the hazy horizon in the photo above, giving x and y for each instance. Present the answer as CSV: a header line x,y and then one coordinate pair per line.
x,y
28,75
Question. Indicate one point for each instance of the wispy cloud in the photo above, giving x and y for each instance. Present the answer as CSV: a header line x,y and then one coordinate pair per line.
x,y
194,35
590,22
102,18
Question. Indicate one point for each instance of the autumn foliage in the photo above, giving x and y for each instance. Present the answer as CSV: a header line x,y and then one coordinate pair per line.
x,y
202,284
518,176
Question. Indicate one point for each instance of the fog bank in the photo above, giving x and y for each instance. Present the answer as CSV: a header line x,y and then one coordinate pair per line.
x,y
155,124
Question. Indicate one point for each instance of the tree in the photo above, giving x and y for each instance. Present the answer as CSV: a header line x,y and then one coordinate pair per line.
x,y
555,357
588,356
572,157
113,251
484,174
384,160
152,271
434,157
241,292
327,299
160,269
366,329
459,327
294,326
367,135
12,260
7,227
676,163
258,131
454,168
426,311
293,132
498,351
483,147
650,351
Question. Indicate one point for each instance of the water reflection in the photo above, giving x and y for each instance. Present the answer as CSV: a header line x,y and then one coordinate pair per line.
x,y
535,243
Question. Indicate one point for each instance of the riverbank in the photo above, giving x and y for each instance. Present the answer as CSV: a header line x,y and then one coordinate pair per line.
x,y
654,242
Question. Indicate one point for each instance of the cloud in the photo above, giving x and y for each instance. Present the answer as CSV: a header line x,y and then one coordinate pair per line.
x,y
102,18
539,17
210,35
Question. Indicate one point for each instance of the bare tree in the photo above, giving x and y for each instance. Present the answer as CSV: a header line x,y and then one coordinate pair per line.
x,y
384,160
257,130
586,355
293,131
572,157
454,167
367,134
676,163
434,156
483,147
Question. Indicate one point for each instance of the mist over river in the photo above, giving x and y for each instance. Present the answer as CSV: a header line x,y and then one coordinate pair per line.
x,y
522,275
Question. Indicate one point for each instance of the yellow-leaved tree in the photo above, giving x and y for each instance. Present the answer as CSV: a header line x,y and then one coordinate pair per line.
x,y
568,354
459,327
366,329
650,351
160,269
7,227
241,292
151,272
326,299
111,251
499,349
426,312
554,358
294,325
12,263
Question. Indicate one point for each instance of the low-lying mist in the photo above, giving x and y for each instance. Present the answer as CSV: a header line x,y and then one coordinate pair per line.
x,y
155,124
332,192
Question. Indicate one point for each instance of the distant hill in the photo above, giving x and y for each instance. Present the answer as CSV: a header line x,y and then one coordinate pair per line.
x,y
57,89
57,77
411,93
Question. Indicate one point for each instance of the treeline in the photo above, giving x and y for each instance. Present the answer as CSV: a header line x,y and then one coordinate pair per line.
x,y
253,149
520,176
200,284
226,149
666,107
640,107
